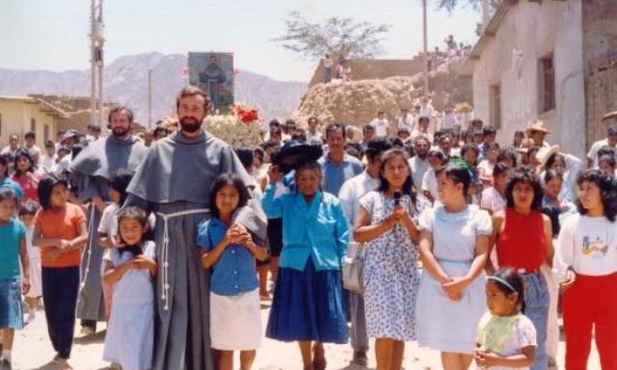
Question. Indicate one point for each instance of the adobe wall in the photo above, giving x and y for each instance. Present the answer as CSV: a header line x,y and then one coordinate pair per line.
x,y
368,69
530,31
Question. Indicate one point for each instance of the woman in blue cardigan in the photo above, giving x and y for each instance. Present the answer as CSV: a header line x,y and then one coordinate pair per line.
x,y
308,298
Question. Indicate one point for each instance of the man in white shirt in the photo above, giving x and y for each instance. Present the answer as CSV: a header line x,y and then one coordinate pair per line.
x,y
429,187
422,129
406,120
368,133
419,163
350,194
63,160
13,145
427,110
381,124
94,132
312,135
30,139
448,120
610,140
48,161
538,132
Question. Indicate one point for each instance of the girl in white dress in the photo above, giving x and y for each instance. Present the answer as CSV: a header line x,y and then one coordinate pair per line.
x,y
130,332
453,244
26,215
506,337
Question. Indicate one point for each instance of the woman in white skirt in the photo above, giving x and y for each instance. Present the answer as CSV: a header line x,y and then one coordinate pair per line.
x,y
453,244
229,250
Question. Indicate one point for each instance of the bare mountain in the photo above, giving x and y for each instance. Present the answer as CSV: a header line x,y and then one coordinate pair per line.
x,y
126,82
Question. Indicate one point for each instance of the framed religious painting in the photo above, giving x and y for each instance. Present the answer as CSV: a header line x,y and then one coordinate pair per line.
x,y
214,73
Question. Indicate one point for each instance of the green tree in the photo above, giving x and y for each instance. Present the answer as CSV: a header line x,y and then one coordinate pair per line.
x,y
338,37
450,5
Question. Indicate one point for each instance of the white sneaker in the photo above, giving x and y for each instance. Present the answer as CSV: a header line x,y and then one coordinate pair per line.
x,y
29,319
86,330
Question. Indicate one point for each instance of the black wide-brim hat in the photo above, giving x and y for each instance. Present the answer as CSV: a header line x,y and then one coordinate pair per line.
x,y
294,153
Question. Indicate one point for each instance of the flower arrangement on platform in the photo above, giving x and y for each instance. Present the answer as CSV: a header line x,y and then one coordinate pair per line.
x,y
246,114
240,128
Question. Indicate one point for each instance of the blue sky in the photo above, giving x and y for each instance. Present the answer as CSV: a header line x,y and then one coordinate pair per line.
x,y
52,34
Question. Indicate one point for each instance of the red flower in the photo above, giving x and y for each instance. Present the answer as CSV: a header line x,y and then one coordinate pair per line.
x,y
246,114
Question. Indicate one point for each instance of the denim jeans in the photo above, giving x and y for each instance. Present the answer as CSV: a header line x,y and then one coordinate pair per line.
x,y
359,338
537,300
11,314
60,287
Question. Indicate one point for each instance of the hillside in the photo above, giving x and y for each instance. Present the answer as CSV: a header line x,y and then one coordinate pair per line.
x,y
126,82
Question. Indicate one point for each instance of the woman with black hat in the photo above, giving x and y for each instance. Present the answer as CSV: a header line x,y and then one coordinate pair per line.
x,y
308,300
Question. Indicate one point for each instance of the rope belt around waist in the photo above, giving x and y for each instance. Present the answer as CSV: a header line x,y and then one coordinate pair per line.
x,y
85,268
165,249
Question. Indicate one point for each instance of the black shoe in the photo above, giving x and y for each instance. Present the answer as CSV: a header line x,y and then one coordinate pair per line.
x,y
5,364
359,358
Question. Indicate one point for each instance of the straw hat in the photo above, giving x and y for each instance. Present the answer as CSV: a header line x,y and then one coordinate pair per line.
x,y
536,125
463,107
610,120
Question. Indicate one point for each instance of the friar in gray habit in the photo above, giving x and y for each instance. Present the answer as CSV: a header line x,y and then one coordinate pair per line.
x,y
174,182
91,171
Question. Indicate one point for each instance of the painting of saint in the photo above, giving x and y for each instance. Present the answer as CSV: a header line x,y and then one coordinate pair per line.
x,y
213,72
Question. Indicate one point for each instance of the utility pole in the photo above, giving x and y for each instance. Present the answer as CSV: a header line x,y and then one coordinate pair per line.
x,y
92,65
150,98
96,61
425,35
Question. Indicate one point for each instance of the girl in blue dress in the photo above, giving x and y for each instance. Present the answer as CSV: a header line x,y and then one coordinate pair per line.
x,y
453,245
130,268
12,252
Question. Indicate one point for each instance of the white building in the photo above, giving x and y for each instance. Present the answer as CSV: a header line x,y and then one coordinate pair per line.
x,y
550,60
21,114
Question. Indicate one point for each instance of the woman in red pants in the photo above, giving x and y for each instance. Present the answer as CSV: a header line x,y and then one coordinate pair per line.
x,y
586,262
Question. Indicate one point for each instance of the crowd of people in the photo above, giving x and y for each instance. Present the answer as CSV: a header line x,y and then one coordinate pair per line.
x,y
451,51
340,72
467,244
450,201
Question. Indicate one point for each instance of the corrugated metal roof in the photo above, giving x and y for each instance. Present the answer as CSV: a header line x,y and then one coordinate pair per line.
x,y
47,107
